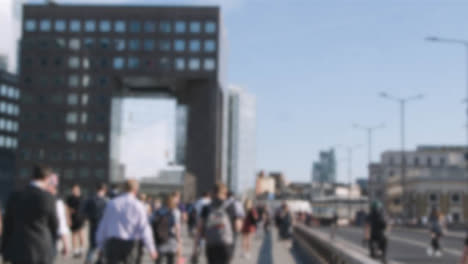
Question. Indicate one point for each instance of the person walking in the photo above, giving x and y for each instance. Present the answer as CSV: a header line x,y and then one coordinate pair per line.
x,y
93,210
166,228
284,222
75,206
31,222
377,225
237,215
435,229
464,258
63,231
249,228
123,226
216,228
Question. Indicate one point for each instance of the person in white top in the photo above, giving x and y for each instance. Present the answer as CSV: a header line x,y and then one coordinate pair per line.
x,y
63,230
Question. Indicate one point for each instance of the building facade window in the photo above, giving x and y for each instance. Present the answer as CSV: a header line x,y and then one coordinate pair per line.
x,y
120,26
150,27
429,162
119,44
135,26
148,44
45,25
134,44
179,45
433,198
105,26
72,99
210,45
119,63
165,27
90,25
194,64
88,43
71,118
195,27
133,62
104,43
180,64
164,45
85,80
73,62
73,80
71,136
194,45
60,25
455,198
210,27
74,44
209,64
75,25
180,27
30,25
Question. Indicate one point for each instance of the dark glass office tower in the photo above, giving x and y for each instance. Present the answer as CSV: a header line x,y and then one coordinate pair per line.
x,y
9,112
78,63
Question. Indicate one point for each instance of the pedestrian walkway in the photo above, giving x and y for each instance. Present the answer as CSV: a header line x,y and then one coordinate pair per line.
x,y
266,249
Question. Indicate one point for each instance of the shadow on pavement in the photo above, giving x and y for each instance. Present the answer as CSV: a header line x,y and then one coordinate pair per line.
x,y
266,253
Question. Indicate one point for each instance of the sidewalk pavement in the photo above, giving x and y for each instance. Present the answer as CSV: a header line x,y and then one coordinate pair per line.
x,y
266,249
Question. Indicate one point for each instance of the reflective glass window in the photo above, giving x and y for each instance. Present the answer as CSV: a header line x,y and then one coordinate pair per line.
x,y
164,63
30,25
104,26
73,62
90,25
164,45
119,63
133,62
60,43
88,43
194,64
119,44
148,44
134,44
180,64
150,26
179,45
60,25
180,26
45,25
104,43
85,80
72,99
210,45
74,44
135,26
210,27
194,45
209,64
165,27
71,118
75,25
195,27
73,80
120,26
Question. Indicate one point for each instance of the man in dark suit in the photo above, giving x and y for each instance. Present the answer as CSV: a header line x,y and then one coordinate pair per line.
x,y
30,224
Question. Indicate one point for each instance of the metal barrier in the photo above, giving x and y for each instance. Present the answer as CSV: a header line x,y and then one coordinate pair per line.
x,y
323,250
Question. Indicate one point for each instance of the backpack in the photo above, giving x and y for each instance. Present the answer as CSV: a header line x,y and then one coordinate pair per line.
x,y
163,224
218,228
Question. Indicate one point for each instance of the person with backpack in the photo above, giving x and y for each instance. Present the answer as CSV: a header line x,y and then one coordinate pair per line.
x,y
166,229
377,225
435,228
93,210
249,227
216,226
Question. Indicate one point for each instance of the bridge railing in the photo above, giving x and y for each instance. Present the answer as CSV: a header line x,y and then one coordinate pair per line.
x,y
321,249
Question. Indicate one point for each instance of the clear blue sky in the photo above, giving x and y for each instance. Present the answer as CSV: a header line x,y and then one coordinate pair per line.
x,y
316,67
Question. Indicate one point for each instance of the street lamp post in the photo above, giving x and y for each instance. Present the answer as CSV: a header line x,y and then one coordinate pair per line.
x,y
463,43
369,130
402,101
350,150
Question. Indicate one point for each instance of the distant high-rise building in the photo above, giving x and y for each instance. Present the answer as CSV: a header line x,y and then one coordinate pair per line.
x,y
79,62
3,63
9,111
241,107
324,170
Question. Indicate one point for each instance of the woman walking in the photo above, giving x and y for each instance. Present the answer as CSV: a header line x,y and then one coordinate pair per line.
x,y
74,203
249,228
